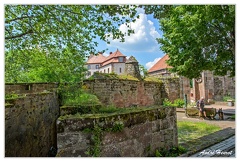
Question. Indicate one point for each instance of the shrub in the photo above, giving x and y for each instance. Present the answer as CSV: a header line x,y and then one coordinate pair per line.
x,y
108,109
74,94
117,127
178,103
172,152
166,102
226,98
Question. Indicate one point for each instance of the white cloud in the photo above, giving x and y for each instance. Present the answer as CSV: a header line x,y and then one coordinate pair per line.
x,y
150,64
144,38
105,54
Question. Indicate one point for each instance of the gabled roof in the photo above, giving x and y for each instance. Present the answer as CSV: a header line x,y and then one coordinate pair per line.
x,y
115,54
113,58
96,59
100,59
161,64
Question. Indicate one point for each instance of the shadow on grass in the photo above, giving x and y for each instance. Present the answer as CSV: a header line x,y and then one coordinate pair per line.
x,y
203,142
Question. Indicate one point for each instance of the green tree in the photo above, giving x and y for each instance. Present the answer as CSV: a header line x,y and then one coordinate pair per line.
x,y
58,32
197,37
41,66
143,71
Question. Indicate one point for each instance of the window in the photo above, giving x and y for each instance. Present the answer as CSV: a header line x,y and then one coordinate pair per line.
x,y
104,71
120,70
89,66
108,70
120,59
97,66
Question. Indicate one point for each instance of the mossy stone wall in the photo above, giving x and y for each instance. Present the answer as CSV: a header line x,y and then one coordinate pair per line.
x,y
143,132
30,125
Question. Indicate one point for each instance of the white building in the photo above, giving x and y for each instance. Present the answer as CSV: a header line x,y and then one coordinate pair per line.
x,y
114,63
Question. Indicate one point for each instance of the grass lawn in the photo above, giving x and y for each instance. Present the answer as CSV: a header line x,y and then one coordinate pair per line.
x,y
188,131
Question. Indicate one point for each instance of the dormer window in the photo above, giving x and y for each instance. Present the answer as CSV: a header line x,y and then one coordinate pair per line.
x,y
120,59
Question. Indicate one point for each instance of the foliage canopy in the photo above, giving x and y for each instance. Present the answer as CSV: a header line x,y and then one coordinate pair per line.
x,y
54,29
197,37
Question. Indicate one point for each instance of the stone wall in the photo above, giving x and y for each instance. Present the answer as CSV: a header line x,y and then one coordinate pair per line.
x,y
172,88
213,87
223,86
125,93
143,132
23,88
30,121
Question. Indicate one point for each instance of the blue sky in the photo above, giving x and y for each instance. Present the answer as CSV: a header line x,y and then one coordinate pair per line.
x,y
142,44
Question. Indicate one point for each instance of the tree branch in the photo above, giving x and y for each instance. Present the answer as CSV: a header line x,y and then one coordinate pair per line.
x,y
20,35
18,18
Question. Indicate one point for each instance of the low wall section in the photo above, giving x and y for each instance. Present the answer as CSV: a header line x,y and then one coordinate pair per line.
x,y
143,132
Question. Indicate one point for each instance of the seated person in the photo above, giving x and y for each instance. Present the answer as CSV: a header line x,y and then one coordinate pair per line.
x,y
200,106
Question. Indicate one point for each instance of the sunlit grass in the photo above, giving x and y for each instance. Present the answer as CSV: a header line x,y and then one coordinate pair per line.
x,y
188,131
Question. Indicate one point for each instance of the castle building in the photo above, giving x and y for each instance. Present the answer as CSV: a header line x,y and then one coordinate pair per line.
x,y
114,63
160,69
209,86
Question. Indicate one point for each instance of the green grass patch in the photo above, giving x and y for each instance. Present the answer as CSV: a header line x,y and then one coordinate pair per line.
x,y
232,117
127,77
188,131
152,79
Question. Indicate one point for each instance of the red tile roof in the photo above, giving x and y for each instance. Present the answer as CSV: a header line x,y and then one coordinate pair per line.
x,y
161,64
100,59
113,58
96,59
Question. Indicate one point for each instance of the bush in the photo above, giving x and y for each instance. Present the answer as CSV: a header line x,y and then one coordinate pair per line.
x,y
178,103
172,152
166,102
108,109
73,95
226,98
82,99
117,127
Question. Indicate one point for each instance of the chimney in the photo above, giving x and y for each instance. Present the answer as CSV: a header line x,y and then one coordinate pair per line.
x,y
110,53
100,53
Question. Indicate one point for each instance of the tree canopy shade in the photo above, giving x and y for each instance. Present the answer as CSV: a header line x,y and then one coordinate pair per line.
x,y
48,31
197,37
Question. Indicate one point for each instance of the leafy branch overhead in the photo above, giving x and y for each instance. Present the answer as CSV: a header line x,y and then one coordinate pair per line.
x,y
51,42
47,43
58,26
197,37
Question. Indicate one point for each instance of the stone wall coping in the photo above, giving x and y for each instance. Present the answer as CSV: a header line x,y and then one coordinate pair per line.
x,y
108,120
31,83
